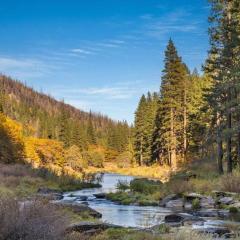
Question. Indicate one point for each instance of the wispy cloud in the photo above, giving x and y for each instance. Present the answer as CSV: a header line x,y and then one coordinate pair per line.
x,y
23,68
82,51
121,90
174,22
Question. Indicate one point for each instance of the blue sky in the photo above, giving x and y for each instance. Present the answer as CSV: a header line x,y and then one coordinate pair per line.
x,y
99,54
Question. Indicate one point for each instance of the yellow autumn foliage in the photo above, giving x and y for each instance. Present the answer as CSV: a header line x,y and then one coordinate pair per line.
x,y
11,140
44,152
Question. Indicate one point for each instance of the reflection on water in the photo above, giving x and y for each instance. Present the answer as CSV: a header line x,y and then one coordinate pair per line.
x,y
132,216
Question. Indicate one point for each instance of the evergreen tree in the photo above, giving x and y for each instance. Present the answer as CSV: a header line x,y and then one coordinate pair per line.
x,y
63,127
169,133
139,124
91,136
223,67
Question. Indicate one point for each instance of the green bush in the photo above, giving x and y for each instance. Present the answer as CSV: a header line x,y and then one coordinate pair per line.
x,y
233,210
145,186
196,204
123,185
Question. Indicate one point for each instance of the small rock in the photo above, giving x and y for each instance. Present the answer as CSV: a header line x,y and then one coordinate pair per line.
x,y
100,195
207,202
223,213
224,194
226,200
165,200
82,198
188,206
207,213
192,196
219,231
236,205
176,204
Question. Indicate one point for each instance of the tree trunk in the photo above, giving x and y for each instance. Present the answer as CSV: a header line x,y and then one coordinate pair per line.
x,y
238,145
173,144
229,144
219,146
185,127
141,152
229,99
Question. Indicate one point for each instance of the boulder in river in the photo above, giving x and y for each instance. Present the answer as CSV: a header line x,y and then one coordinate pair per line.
x,y
216,231
165,200
175,204
226,200
207,202
99,195
173,218
192,196
79,208
207,213
182,219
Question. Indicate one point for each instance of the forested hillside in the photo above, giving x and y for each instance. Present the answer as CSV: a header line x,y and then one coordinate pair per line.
x,y
52,131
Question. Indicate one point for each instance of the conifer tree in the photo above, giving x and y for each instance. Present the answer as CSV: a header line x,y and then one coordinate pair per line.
x,y
139,124
169,131
90,131
223,67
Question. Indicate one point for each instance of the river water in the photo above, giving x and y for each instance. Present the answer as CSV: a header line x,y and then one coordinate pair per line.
x,y
127,216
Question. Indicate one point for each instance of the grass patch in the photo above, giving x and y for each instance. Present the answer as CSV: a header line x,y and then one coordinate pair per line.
x,y
125,234
23,181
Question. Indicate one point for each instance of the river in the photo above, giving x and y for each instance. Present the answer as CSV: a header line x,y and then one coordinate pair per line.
x,y
127,216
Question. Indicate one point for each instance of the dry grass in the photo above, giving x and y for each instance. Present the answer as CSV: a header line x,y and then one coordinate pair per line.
x,y
231,182
187,235
21,180
157,172
30,221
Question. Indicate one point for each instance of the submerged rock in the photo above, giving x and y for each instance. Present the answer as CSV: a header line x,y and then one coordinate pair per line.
x,y
100,195
207,213
173,218
182,219
212,213
217,231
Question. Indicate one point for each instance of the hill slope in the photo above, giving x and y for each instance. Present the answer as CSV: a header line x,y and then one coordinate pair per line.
x,y
44,117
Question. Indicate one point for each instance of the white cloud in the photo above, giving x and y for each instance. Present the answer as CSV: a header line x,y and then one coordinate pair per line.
x,y
121,90
171,23
82,51
23,68
108,45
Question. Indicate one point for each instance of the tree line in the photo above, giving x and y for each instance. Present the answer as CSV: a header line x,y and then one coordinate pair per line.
x,y
196,115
